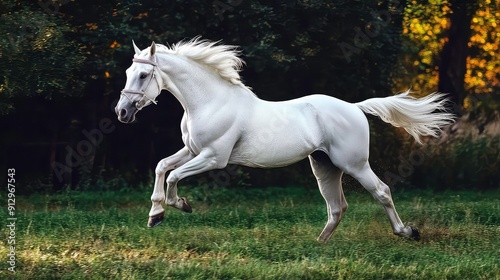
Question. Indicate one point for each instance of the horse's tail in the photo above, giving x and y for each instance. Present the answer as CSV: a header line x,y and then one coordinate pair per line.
x,y
418,116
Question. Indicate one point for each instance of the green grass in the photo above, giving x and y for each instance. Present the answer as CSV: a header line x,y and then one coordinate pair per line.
x,y
253,234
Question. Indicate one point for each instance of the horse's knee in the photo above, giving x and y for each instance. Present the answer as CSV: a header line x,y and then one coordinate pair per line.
x,y
161,168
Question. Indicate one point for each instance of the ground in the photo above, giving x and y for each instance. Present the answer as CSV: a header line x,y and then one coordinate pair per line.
x,y
253,234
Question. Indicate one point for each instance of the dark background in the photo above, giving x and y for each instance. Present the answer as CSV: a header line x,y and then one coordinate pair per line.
x,y
63,66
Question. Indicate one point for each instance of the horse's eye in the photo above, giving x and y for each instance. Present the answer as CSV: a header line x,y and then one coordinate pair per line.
x,y
143,75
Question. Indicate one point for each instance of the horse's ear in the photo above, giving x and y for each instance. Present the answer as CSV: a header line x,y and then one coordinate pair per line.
x,y
136,49
152,50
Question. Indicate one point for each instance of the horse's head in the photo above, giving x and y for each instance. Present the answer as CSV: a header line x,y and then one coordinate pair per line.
x,y
142,87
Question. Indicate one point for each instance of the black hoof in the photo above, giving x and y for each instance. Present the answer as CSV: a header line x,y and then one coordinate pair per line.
x,y
156,220
185,206
415,234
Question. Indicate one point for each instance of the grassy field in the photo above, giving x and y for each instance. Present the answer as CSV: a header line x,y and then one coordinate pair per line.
x,y
252,234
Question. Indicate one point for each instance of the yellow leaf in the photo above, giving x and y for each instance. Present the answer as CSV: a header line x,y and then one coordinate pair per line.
x,y
115,44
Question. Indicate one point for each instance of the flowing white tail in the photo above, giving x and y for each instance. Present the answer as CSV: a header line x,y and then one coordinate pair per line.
x,y
418,116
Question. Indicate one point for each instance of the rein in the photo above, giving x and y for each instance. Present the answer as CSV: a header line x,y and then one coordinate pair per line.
x,y
141,103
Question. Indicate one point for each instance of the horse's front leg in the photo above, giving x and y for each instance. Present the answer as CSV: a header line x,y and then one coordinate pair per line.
x,y
205,161
174,161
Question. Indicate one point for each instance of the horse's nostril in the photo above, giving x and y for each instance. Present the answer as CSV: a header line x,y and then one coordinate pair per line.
x,y
123,113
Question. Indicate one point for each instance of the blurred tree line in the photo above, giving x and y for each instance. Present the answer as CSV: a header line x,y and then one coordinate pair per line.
x,y
63,66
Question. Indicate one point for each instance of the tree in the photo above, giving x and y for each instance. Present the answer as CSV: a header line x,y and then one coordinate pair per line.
x,y
453,58
453,51
292,48
36,56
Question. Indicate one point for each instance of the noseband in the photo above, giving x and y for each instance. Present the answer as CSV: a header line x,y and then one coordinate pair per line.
x,y
141,103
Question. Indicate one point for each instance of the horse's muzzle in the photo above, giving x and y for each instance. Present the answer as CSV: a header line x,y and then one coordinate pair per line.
x,y
126,115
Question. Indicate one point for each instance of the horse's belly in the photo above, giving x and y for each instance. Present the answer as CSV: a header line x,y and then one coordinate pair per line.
x,y
279,138
272,155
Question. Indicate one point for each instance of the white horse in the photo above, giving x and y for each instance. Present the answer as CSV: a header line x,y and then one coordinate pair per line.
x,y
226,123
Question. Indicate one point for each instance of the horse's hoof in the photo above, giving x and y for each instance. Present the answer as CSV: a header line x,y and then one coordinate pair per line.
x,y
156,219
415,234
185,206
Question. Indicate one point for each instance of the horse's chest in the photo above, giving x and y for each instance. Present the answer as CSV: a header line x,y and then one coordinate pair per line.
x,y
209,130
192,141
196,138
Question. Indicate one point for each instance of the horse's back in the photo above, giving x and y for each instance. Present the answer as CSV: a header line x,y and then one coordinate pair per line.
x,y
337,116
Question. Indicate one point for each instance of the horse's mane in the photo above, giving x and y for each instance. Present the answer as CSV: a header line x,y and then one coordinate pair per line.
x,y
222,58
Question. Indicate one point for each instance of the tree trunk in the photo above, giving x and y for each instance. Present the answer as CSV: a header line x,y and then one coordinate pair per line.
x,y
455,51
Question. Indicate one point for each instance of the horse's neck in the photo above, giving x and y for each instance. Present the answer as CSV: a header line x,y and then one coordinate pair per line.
x,y
195,86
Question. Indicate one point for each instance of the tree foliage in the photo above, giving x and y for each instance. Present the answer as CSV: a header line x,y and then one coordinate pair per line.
x,y
37,55
426,30
69,58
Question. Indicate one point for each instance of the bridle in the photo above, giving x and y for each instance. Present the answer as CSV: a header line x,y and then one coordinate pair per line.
x,y
142,102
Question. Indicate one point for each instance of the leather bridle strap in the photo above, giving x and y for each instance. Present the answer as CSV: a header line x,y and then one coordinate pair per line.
x,y
144,61
124,92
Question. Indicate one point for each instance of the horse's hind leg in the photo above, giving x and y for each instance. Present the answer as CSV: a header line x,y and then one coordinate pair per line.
x,y
382,193
329,179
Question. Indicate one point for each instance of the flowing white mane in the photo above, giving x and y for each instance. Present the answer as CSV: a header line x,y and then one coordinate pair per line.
x,y
222,58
